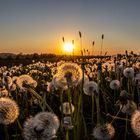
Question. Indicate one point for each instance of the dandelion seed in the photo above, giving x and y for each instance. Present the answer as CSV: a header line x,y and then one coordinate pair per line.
x,y
41,127
9,110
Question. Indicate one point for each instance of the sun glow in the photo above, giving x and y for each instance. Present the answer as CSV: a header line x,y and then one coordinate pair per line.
x,y
68,47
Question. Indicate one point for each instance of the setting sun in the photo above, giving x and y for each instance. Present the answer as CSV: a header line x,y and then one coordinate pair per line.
x,y
68,47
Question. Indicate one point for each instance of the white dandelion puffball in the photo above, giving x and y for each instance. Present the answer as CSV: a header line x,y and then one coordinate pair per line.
x,y
129,107
90,88
128,72
104,131
59,83
115,84
66,108
41,127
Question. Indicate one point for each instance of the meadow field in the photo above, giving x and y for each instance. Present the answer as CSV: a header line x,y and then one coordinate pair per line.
x,y
81,98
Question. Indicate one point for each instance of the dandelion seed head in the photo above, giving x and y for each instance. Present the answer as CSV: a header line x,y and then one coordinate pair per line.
x,y
90,88
7,80
41,127
129,107
114,84
66,108
25,81
135,123
104,132
128,72
71,73
108,79
138,65
4,92
137,77
9,110
59,83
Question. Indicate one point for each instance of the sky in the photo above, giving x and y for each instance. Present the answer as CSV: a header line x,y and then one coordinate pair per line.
x,y
37,26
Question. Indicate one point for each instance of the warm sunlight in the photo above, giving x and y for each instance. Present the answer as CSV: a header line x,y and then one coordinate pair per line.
x,y
68,47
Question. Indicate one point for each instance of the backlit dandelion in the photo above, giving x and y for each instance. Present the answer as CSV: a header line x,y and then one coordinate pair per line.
x,y
4,92
129,107
128,72
104,132
137,77
7,80
41,127
70,74
25,81
90,88
135,123
66,108
59,83
9,110
115,84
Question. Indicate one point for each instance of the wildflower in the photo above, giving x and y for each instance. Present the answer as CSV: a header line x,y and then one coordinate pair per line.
x,y
3,92
135,123
14,79
41,127
7,73
7,80
66,108
9,110
25,81
68,123
13,87
114,84
90,88
137,77
59,83
50,86
70,74
123,97
138,65
128,72
108,79
119,68
104,132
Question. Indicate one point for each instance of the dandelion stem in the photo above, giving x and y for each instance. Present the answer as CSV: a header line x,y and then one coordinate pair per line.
x,y
35,94
67,135
116,115
126,127
6,132
92,107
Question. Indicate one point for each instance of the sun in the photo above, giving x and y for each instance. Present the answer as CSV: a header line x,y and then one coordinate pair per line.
x,y
68,47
